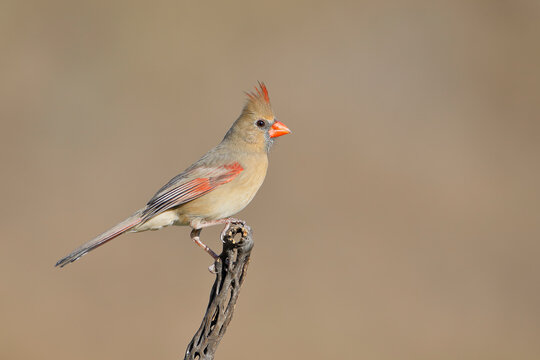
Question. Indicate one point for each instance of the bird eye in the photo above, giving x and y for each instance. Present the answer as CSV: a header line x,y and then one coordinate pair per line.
x,y
260,123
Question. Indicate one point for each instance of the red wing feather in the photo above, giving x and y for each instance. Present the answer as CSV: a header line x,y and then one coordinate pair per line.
x,y
182,189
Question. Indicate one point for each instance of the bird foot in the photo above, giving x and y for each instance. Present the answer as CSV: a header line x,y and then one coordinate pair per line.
x,y
235,221
227,227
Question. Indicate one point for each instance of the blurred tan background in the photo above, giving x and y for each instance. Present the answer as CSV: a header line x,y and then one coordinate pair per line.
x,y
400,220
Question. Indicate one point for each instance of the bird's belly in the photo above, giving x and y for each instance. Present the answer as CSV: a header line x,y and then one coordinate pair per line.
x,y
226,206
224,201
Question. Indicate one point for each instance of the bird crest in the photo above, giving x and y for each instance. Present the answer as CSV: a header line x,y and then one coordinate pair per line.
x,y
259,102
261,94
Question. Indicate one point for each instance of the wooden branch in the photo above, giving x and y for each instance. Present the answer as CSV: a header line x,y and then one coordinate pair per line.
x,y
230,271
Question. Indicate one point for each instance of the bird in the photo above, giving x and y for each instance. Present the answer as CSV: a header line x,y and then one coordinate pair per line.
x,y
214,188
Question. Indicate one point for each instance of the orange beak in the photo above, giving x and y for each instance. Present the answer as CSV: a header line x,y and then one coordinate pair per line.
x,y
278,129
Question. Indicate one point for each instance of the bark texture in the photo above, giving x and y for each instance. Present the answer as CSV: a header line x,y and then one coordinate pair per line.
x,y
230,270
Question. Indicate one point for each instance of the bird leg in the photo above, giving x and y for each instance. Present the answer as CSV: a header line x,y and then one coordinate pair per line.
x,y
198,225
227,221
195,233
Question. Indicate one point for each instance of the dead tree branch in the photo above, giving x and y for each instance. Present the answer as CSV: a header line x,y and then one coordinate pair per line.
x,y
230,271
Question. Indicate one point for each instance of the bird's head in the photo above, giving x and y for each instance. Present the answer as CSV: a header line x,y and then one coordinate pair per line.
x,y
257,126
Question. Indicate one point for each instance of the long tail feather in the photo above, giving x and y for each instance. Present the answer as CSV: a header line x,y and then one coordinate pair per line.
x,y
99,240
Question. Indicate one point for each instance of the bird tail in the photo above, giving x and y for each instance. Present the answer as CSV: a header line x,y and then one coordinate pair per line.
x,y
99,240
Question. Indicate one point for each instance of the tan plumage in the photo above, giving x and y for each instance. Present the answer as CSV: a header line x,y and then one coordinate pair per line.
x,y
217,186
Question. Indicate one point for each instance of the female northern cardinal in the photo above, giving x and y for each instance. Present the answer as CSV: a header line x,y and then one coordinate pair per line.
x,y
214,188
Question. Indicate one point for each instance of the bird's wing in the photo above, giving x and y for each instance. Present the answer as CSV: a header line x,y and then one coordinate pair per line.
x,y
189,185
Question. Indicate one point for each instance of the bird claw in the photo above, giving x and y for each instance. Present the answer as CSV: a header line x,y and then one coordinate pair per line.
x,y
236,221
227,229
226,232
212,269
